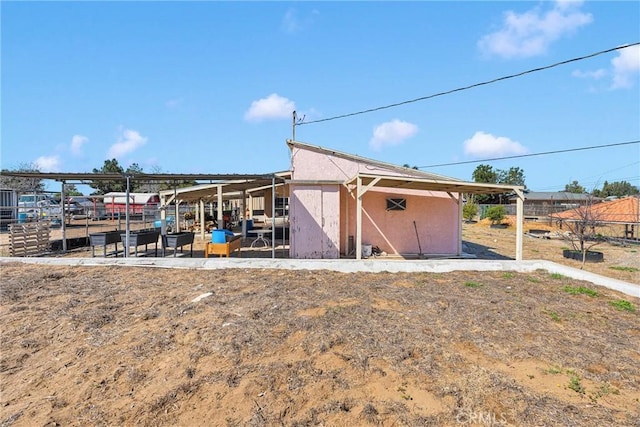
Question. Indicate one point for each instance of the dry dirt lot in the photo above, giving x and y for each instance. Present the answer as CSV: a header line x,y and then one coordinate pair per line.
x,y
142,346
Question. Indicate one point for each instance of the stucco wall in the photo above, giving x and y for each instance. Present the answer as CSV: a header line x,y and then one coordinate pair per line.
x,y
436,214
394,232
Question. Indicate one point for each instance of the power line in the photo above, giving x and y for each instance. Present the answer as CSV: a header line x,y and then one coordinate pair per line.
x,y
370,110
593,147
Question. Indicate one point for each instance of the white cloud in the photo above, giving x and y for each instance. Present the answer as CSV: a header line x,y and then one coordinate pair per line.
x,y
483,144
392,133
128,141
48,163
272,107
625,66
596,75
76,144
530,33
290,22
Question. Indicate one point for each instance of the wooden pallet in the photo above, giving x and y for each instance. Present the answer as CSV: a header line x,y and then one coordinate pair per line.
x,y
29,239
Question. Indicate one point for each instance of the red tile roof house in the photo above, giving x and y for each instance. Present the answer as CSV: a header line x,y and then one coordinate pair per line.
x,y
623,212
402,211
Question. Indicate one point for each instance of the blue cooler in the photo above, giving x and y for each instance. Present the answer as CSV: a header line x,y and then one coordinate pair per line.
x,y
220,236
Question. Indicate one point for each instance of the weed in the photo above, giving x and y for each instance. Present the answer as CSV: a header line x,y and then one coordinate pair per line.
x,y
531,376
629,269
555,316
603,390
580,290
403,394
574,384
624,305
508,275
557,276
554,370
533,279
472,284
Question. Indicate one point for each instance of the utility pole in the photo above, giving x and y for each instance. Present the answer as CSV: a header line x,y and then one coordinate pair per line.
x,y
293,127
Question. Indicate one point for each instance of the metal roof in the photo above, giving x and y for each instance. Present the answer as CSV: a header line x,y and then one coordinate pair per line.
x,y
84,176
557,196
230,189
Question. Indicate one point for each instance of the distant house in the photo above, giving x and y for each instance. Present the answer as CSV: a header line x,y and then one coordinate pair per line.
x,y
544,203
340,203
116,202
621,212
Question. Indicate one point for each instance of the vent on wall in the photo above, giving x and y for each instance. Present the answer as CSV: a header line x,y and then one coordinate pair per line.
x,y
396,204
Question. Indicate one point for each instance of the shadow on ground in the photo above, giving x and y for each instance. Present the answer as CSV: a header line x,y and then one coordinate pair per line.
x,y
482,251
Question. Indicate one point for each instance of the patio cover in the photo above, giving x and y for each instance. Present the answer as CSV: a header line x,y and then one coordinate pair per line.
x,y
363,182
232,182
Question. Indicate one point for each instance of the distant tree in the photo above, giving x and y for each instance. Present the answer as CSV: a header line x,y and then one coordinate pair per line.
x,y
574,187
112,166
513,176
22,185
157,186
486,174
103,187
618,189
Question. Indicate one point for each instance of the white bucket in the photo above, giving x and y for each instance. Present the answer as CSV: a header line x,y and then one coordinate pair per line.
x,y
366,251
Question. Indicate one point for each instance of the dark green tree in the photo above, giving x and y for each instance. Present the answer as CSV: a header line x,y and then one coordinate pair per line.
x,y
112,166
513,176
574,187
618,189
485,174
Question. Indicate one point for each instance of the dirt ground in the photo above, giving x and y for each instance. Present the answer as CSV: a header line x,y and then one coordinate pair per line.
x,y
109,346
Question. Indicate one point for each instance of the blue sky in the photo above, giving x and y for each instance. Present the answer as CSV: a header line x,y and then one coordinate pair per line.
x,y
209,87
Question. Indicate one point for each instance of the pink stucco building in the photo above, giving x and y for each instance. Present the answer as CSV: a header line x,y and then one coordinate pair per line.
x,y
327,219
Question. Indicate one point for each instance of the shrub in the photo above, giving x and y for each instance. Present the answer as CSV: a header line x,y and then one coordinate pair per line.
x,y
469,211
496,213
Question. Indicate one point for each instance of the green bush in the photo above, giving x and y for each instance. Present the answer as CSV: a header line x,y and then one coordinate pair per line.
x,y
469,211
496,213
